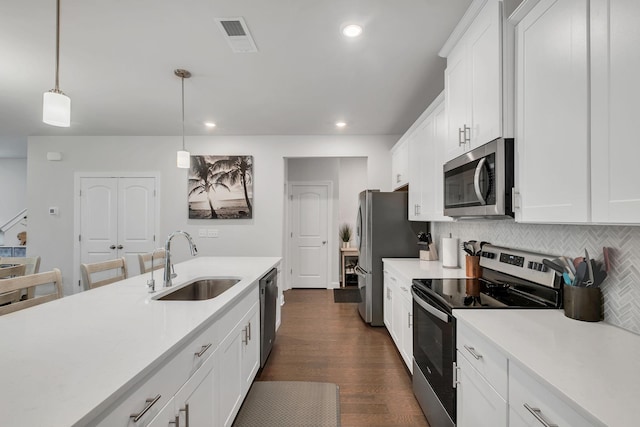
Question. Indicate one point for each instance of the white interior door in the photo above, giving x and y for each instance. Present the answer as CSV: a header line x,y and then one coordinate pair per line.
x,y
309,238
117,218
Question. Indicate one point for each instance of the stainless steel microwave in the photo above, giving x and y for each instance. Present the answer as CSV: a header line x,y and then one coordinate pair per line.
x,y
479,183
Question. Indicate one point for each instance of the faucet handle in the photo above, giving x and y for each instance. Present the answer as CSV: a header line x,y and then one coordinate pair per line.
x,y
151,284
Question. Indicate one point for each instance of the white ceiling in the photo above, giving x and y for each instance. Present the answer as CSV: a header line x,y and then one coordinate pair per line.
x,y
117,59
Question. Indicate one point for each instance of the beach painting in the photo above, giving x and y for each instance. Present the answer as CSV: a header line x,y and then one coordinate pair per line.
x,y
221,187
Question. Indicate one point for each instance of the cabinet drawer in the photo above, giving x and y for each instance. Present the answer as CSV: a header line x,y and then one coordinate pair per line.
x,y
483,356
536,403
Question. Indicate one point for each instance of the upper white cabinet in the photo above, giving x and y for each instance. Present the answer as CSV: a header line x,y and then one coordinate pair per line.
x,y
474,79
400,164
576,87
552,113
615,91
426,139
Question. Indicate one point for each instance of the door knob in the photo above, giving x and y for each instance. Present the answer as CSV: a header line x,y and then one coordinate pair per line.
x,y
120,246
324,242
112,247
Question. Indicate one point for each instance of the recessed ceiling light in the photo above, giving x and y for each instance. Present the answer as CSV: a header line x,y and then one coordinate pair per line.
x,y
210,124
341,124
352,30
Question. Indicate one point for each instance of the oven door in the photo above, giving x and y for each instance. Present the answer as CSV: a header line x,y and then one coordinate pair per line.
x,y
434,354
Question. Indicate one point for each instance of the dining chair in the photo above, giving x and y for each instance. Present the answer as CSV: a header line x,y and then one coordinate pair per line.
x,y
18,284
32,267
8,273
145,260
107,271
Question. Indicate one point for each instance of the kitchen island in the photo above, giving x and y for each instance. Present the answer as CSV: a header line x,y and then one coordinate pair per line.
x,y
68,362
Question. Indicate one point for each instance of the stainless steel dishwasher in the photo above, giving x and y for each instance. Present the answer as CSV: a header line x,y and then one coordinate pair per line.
x,y
268,300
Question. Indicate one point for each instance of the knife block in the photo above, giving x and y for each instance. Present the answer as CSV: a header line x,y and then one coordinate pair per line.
x,y
428,252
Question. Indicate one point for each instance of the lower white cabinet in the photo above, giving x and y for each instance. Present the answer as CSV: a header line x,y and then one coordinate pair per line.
x,y
478,403
205,381
536,404
398,313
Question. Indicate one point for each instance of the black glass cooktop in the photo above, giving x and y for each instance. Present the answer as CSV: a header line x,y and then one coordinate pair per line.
x,y
480,293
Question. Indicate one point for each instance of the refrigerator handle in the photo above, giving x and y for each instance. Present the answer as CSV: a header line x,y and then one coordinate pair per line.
x,y
360,271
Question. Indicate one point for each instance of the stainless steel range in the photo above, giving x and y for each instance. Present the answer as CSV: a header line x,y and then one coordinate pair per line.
x,y
511,278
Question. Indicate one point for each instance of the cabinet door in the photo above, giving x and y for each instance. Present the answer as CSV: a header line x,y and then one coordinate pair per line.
x,y
456,83
195,401
166,417
388,301
407,332
418,168
400,165
251,348
485,69
615,90
552,113
433,177
478,405
229,380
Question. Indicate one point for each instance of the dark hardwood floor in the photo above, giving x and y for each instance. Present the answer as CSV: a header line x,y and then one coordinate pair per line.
x,y
320,340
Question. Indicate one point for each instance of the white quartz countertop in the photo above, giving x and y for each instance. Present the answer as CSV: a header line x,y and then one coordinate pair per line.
x,y
595,365
415,268
63,362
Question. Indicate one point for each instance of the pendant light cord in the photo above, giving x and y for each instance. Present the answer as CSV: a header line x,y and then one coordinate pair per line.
x,y
182,78
57,87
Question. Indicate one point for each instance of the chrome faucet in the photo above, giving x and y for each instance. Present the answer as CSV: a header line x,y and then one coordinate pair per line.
x,y
168,267
151,283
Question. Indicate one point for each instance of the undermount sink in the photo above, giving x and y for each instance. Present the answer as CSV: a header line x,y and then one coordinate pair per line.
x,y
201,289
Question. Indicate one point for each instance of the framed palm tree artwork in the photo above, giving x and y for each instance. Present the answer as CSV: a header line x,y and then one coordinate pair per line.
x,y
221,187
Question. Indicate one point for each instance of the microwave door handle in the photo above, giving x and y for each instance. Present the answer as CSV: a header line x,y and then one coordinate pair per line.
x,y
476,181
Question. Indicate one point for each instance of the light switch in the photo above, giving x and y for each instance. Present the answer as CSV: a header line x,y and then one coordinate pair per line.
x,y
212,233
202,232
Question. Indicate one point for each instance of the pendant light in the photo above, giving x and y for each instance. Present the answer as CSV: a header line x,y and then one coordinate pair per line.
x,y
56,106
184,157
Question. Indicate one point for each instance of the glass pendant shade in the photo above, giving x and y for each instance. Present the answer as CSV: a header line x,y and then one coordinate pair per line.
x,y
56,109
184,159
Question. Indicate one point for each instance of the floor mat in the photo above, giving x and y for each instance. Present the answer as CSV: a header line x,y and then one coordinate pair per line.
x,y
346,295
290,404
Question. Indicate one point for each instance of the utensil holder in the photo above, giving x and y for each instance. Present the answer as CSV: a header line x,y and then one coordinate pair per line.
x,y
582,303
473,266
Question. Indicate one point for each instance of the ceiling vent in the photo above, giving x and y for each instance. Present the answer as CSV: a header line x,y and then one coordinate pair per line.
x,y
237,33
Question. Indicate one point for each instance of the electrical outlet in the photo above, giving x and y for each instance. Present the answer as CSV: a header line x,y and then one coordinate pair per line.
x,y
212,233
202,232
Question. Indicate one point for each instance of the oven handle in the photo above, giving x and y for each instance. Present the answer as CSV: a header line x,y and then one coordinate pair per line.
x,y
476,181
430,309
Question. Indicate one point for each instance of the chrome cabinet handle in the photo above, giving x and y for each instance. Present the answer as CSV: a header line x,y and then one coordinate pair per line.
x,y
409,320
245,340
473,352
467,139
476,181
537,413
186,414
460,138
176,422
120,246
398,177
515,198
249,333
203,349
150,403
112,247
418,209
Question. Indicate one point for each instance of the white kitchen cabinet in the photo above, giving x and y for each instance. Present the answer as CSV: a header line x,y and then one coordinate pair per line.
x,y
195,401
473,83
251,348
478,403
615,90
167,417
536,403
552,110
398,314
400,164
426,156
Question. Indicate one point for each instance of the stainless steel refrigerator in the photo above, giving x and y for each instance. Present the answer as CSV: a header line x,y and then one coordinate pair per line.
x,y
382,231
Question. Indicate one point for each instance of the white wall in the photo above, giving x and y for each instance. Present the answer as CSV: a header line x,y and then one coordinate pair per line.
x,y
353,180
13,178
51,184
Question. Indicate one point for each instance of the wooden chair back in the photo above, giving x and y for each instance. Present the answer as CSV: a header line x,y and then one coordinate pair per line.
x,y
32,267
25,282
145,261
8,273
117,266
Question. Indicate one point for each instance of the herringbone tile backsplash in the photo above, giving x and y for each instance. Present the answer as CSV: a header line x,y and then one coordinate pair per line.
x,y
620,290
